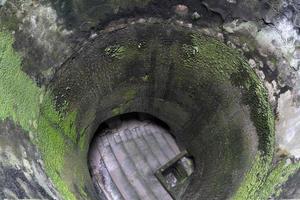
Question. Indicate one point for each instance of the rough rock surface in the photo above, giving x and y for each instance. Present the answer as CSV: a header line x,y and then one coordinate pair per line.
x,y
21,168
51,34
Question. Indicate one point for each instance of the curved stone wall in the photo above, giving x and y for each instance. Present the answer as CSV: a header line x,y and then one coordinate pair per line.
x,y
187,80
217,81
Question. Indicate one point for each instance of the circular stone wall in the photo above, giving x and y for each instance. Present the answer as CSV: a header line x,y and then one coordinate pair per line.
x,y
67,66
207,94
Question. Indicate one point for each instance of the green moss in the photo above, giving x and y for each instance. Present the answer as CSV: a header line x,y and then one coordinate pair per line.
x,y
115,51
8,17
253,179
210,59
69,126
56,139
276,178
216,60
262,180
53,148
118,110
21,101
83,141
81,183
19,95
202,61
83,193
85,123
130,94
213,61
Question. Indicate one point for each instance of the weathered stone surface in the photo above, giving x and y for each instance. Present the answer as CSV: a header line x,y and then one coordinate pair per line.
x,y
53,34
181,10
291,189
288,129
196,16
2,2
21,166
162,94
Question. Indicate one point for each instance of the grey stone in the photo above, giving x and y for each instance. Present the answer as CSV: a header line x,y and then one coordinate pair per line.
x,y
269,17
296,4
297,20
21,172
55,47
181,10
196,16
287,12
297,44
232,1
297,54
252,63
297,66
2,2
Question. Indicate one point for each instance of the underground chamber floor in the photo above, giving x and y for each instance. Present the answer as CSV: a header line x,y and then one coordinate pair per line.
x,y
138,160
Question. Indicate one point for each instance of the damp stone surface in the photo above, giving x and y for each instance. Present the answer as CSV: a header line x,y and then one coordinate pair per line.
x,y
222,76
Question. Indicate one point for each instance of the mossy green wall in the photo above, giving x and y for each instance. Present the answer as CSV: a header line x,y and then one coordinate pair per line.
x,y
20,96
55,133
30,107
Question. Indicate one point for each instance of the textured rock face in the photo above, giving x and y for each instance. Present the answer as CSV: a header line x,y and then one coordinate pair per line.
x,y
79,63
141,68
291,188
22,171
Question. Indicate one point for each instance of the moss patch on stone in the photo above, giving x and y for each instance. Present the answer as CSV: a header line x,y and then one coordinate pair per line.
x,y
212,58
53,148
8,18
19,95
211,55
21,101
128,96
204,59
263,181
215,62
278,175
115,51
